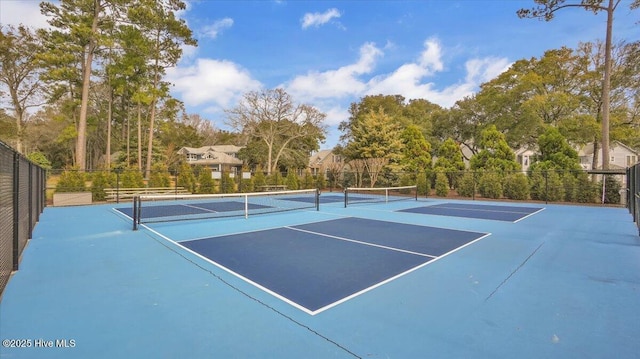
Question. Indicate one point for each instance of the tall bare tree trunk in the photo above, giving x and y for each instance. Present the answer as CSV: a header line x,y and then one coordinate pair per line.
x,y
606,86
81,142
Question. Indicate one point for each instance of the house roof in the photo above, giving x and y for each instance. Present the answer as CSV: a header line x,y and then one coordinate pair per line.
x,y
318,158
204,149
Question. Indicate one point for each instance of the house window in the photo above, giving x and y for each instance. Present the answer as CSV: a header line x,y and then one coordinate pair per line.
x,y
631,160
613,159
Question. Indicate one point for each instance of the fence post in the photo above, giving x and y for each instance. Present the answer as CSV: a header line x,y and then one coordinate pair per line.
x,y
16,209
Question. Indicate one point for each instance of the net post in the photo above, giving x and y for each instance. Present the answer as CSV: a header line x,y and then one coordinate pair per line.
x,y
246,206
346,197
135,212
317,199
416,192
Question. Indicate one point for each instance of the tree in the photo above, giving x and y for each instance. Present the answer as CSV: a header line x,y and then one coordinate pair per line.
x,y
376,140
272,118
495,154
450,161
416,156
19,72
82,28
165,34
547,9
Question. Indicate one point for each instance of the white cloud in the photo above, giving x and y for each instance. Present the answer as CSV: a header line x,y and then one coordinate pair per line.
x,y
411,79
23,12
217,27
212,83
337,83
316,19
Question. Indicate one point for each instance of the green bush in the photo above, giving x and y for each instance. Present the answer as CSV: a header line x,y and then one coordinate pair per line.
x,y
612,189
160,176
99,181
466,186
292,180
546,186
206,183
71,180
516,186
570,185
586,191
259,179
442,185
186,178
227,184
132,178
321,181
490,185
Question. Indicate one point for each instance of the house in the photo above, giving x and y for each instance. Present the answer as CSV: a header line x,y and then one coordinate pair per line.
x,y
217,158
621,156
323,161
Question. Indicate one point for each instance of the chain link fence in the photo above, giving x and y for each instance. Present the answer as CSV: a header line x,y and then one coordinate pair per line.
x,y
22,199
582,187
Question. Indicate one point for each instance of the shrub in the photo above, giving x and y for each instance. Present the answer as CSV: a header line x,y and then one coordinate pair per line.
x,y
490,185
227,184
546,186
586,191
160,176
321,181
442,184
466,185
516,186
99,181
206,183
611,190
132,178
259,179
71,180
292,180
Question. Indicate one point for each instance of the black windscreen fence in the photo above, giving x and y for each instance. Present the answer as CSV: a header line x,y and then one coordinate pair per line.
x,y
22,199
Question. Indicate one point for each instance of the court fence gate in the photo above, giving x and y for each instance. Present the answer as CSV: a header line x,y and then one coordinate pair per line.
x,y
22,200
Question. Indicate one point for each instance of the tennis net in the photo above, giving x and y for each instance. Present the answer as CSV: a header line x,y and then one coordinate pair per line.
x,y
164,208
353,195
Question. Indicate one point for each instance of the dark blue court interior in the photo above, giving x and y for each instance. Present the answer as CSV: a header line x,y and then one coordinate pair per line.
x,y
478,211
316,265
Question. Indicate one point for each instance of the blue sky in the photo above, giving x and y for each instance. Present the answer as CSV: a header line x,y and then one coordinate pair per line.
x,y
332,53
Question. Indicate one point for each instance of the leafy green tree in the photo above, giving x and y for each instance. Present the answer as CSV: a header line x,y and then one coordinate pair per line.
x,y
165,35
416,151
546,10
495,153
376,140
227,184
80,29
450,161
40,159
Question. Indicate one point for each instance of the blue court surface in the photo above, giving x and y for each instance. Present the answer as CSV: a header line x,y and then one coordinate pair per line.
x,y
375,281
480,211
316,266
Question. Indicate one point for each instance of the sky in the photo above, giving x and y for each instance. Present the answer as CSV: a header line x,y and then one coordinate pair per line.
x,y
330,54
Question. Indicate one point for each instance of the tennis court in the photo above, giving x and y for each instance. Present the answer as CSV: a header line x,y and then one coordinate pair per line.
x,y
362,281
479,211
